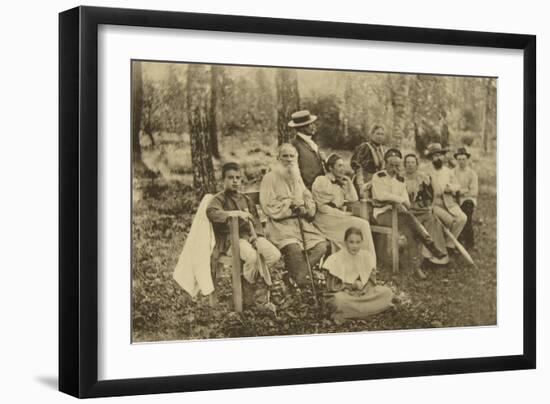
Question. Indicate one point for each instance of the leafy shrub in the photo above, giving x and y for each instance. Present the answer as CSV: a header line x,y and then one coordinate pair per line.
x,y
331,131
468,138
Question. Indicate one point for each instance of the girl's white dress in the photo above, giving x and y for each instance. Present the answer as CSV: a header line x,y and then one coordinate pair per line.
x,y
352,292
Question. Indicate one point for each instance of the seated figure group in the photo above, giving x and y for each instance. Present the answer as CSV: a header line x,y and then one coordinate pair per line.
x,y
306,199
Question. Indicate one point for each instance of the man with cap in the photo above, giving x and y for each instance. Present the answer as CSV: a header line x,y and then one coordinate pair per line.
x,y
467,193
368,158
310,159
389,186
445,187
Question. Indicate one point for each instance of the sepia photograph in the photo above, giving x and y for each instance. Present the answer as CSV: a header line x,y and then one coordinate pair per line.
x,y
281,201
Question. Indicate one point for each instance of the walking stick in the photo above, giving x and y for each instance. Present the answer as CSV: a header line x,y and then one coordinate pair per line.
x,y
459,246
301,226
420,226
424,233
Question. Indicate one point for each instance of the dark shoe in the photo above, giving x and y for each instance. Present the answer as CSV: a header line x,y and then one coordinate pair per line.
x,y
437,253
419,274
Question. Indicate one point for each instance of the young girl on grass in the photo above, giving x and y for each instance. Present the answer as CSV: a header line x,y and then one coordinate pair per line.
x,y
351,281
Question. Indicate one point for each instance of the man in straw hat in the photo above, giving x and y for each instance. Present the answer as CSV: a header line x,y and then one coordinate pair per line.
x,y
445,187
310,159
467,194
389,186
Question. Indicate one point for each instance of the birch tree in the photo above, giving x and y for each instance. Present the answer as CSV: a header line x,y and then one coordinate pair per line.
x,y
198,112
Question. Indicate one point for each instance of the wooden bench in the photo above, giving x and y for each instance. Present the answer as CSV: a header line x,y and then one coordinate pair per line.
x,y
363,211
234,261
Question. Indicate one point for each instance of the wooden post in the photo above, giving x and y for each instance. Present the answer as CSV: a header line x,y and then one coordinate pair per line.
x,y
363,209
394,240
236,265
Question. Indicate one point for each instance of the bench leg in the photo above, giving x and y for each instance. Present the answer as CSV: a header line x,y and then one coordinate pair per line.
x,y
236,266
395,241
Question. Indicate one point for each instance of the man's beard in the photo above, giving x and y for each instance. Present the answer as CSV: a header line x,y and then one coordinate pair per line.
x,y
290,172
437,164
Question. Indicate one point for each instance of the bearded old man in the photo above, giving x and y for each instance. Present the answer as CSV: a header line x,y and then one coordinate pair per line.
x,y
285,199
445,187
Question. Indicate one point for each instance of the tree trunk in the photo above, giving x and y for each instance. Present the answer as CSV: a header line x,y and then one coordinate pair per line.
x,y
198,110
288,101
139,167
487,116
137,107
265,101
398,101
214,95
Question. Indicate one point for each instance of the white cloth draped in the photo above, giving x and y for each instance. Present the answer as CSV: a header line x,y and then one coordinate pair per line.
x,y
192,271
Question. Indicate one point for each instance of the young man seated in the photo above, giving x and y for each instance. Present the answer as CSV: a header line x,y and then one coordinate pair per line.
x,y
232,203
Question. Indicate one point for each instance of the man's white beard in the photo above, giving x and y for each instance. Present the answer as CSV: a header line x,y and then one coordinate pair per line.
x,y
290,173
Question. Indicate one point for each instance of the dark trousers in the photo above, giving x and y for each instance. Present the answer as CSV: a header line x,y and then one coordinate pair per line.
x,y
295,260
467,235
407,228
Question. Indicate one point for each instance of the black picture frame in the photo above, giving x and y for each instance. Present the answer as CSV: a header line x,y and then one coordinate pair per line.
x,y
78,201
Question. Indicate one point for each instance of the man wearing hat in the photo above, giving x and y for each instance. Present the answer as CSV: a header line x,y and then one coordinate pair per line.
x,y
419,187
368,158
467,194
389,186
310,160
445,187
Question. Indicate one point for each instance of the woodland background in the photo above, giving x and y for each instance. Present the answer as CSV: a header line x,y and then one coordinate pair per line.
x,y
189,119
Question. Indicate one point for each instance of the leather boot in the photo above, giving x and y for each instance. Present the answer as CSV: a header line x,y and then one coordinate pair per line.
x,y
419,273
430,245
415,261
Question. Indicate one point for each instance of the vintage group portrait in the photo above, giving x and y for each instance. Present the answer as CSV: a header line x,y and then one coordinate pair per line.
x,y
271,201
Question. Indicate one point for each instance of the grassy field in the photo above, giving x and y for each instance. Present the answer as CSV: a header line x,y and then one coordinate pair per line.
x,y
454,296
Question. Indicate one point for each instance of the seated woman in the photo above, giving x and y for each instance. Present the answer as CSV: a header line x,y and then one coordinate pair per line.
x,y
351,281
330,191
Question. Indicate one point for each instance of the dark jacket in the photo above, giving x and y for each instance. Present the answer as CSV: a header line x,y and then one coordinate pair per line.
x,y
310,162
364,158
217,214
